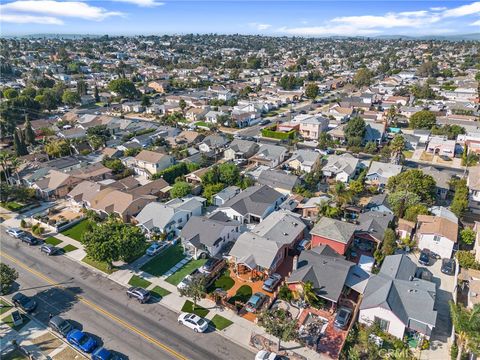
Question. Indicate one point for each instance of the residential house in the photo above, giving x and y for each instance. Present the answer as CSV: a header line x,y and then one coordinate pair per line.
x,y
473,183
253,204
341,167
149,162
240,149
269,155
311,125
196,114
213,144
379,173
374,132
442,180
54,184
281,181
304,160
405,229
310,208
226,194
379,203
371,226
441,146
334,233
93,172
398,301
437,234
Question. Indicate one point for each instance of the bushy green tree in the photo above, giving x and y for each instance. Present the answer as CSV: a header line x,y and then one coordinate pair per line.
x,y
180,189
423,119
468,236
414,181
8,275
124,88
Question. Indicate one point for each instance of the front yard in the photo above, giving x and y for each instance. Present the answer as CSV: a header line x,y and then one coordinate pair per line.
x,y
76,232
200,311
137,281
220,323
164,261
98,265
187,269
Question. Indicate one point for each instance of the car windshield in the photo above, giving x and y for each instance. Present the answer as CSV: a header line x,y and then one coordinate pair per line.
x,y
201,322
83,339
342,314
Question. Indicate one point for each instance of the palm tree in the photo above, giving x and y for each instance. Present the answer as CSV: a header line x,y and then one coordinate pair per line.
x,y
340,193
467,328
4,159
308,293
14,164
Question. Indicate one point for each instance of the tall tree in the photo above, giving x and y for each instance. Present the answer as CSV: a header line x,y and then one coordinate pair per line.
x,y
8,275
18,144
29,133
414,181
279,324
423,119
467,328
195,288
82,88
311,91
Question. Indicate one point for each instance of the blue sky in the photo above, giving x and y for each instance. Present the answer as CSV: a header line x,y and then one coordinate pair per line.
x,y
300,18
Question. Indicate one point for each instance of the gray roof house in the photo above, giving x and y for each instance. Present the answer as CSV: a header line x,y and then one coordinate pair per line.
x,y
270,155
240,149
341,167
226,194
379,172
329,273
253,204
213,144
372,225
206,236
442,180
279,180
304,160
397,300
265,247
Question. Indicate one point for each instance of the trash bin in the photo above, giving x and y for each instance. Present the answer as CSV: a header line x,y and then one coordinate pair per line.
x,y
17,318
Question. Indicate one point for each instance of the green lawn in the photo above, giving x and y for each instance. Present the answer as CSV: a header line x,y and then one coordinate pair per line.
x,y
243,294
76,231
12,205
5,307
159,292
69,248
98,265
53,241
203,123
163,262
137,281
224,282
200,311
220,323
175,278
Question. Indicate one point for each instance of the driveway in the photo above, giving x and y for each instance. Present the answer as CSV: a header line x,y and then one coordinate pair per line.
x,y
439,348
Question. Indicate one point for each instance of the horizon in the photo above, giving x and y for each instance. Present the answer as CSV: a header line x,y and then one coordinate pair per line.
x,y
320,19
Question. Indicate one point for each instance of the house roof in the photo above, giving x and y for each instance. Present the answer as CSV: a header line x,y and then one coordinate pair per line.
x,y
441,177
254,250
374,223
270,152
253,200
474,178
91,171
52,180
341,163
438,226
203,231
85,191
280,226
332,229
278,179
305,157
243,146
384,170
228,192
149,156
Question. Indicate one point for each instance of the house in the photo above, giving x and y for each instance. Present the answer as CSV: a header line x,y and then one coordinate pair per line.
x,y
379,173
149,162
253,204
54,184
196,114
379,203
437,234
311,125
269,155
264,248
309,209
334,233
226,194
159,86
442,180
374,132
473,183
405,228
112,153
281,181
304,160
441,146
170,217
240,149
398,301
330,274
411,141
213,144
341,167
371,226
93,172
206,236
83,193
187,137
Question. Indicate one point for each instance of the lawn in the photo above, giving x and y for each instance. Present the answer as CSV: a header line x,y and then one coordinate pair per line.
x,y
203,123
69,248
137,281
98,265
175,278
159,292
12,205
408,154
53,241
243,294
200,311
163,262
76,232
5,307
224,282
220,323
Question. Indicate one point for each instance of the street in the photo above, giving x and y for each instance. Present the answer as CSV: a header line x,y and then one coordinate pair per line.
x,y
100,306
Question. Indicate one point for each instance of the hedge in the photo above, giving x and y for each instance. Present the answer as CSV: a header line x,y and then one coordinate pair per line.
x,y
174,171
267,132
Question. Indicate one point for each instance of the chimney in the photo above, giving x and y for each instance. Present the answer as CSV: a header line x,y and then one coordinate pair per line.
x,y
295,263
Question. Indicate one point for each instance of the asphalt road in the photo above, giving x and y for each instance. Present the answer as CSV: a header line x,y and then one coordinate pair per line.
x,y
100,306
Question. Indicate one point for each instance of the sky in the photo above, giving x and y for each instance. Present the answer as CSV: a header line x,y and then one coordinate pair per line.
x,y
275,18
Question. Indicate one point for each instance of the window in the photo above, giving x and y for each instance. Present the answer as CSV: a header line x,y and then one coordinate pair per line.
x,y
436,238
384,324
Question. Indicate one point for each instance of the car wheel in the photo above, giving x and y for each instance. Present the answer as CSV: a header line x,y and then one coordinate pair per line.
x,y
196,330
180,322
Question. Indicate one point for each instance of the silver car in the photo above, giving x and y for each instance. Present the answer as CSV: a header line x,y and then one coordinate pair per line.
x,y
272,281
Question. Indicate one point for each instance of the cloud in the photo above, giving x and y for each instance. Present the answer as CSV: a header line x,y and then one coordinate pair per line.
x,y
377,24
476,23
259,26
142,3
30,19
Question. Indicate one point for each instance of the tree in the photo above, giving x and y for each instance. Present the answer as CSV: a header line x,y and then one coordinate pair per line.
x,y
308,293
29,132
279,324
210,190
325,141
195,288
340,194
414,181
467,328
123,87
95,94
356,186
229,173
400,200
423,119
145,100
413,211
428,69
82,88
182,104
311,91
19,144
468,236
397,146
70,98
459,203
58,148
324,209
363,77
8,275
180,189
355,128
10,93
370,147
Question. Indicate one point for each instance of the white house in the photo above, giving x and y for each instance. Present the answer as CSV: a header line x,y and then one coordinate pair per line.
x,y
341,167
437,234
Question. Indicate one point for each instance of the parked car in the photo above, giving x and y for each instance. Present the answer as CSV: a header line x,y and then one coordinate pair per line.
x,y
139,293
255,302
303,245
155,248
82,341
448,266
272,281
212,265
424,258
29,239
49,249
267,355
343,317
264,122
193,321
60,325
103,354
24,302
15,232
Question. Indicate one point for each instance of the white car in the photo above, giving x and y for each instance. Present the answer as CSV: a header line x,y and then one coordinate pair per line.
x,y
193,321
15,232
265,355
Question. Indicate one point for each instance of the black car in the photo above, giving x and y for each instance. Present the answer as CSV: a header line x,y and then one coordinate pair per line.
x,y
24,302
60,325
448,266
49,249
139,293
29,239
424,258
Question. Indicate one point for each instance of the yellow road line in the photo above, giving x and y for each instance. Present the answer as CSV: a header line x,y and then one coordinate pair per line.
x,y
97,308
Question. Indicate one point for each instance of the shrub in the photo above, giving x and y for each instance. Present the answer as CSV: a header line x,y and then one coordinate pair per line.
x,y
285,293
23,224
466,259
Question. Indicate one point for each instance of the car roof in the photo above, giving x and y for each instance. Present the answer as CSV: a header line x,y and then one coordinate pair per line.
x,y
19,296
57,320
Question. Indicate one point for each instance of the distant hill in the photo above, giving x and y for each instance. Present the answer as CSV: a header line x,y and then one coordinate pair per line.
x,y
457,37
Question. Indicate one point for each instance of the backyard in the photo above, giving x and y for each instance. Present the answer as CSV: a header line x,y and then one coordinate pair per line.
x,y
224,282
187,269
76,232
163,262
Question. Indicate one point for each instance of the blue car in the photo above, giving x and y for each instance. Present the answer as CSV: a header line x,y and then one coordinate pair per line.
x,y
103,354
81,341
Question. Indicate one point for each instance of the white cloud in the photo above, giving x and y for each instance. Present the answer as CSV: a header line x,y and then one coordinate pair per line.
x,y
464,10
476,23
142,3
259,26
438,8
30,19
327,31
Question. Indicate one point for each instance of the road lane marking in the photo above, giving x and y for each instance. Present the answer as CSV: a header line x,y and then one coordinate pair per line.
x,y
97,308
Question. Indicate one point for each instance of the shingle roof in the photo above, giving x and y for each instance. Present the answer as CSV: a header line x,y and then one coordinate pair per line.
x,y
332,229
253,200
204,231
149,156
374,223
438,226
278,179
